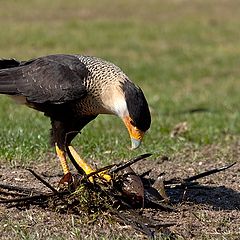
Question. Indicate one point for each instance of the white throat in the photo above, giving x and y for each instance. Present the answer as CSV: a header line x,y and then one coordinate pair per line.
x,y
120,108
114,101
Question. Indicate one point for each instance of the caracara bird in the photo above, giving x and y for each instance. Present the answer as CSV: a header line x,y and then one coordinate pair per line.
x,y
72,90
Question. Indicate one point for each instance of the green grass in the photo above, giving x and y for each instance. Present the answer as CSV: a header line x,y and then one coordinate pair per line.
x,y
184,55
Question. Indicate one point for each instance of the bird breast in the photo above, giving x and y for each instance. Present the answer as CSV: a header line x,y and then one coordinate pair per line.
x,y
91,105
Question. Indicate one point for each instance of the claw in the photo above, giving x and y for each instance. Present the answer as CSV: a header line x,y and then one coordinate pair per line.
x,y
105,176
66,180
87,168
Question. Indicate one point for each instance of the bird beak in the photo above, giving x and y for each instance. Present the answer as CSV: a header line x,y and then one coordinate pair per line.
x,y
136,135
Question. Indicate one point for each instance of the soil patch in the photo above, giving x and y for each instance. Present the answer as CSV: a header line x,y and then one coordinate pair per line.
x,y
211,210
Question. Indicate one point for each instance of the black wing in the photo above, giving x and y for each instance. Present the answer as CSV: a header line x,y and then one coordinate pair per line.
x,y
53,79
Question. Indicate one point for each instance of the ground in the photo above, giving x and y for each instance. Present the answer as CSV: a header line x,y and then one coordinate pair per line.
x,y
210,212
184,54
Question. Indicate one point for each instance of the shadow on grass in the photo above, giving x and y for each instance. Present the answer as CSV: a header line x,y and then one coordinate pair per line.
x,y
219,197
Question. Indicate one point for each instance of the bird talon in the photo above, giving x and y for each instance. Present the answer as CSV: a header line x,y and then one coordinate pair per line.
x,y
105,176
99,175
87,168
66,180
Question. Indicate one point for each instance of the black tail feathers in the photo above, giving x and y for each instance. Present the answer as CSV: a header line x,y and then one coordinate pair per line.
x,y
8,63
8,76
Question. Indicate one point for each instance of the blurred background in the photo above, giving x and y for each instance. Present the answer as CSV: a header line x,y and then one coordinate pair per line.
x,y
184,54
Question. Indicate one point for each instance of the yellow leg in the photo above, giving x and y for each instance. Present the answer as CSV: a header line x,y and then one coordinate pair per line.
x,y
62,157
86,168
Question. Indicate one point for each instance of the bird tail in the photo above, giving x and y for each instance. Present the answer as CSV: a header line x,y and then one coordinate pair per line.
x,y
8,63
7,81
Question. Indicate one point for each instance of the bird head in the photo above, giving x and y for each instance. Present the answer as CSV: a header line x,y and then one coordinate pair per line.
x,y
129,103
137,118
121,97
135,133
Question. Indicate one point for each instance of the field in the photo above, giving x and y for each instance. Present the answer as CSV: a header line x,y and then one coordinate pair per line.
x,y
185,56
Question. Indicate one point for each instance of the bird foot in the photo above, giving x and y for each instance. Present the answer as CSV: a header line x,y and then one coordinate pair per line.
x,y
90,172
102,175
66,181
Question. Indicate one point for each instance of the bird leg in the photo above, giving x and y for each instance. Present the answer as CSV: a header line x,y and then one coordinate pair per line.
x,y
62,157
87,168
81,163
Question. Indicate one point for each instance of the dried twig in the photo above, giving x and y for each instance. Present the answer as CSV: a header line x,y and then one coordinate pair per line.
x,y
42,196
189,181
207,173
7,193
24,199
18,189
42,180
100,170
121,166
114,168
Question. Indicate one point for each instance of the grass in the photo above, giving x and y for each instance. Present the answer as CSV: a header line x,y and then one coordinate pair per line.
x,y
184,55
